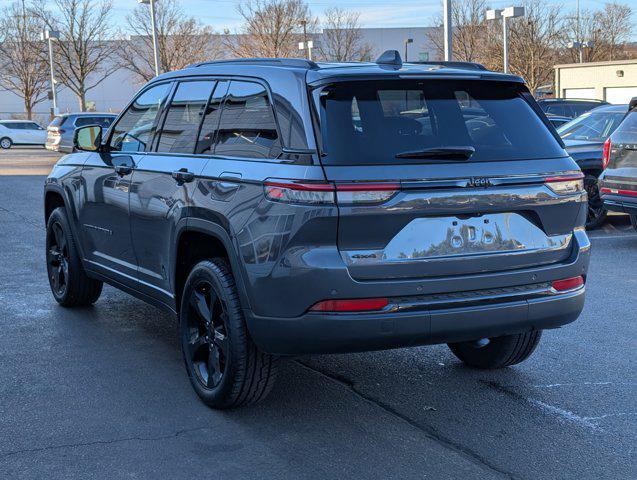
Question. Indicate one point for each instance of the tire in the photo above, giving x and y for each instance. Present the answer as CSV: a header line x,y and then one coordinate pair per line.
x,y
225,367
6,143
596,213
633,221
500,352
69,283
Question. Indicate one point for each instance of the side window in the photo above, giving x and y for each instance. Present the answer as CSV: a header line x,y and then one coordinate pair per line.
x,y
247,127
211,118
179,133
83,121
134,130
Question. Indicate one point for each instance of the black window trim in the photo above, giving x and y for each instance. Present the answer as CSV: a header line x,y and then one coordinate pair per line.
x,y
109,134
218,79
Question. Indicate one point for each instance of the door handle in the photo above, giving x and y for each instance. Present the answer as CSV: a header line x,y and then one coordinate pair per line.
x,y
123,170
183,176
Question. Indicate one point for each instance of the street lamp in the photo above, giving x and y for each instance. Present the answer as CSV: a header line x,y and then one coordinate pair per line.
x,y
407,42
580,46
509,12
154,30
49,36
446,20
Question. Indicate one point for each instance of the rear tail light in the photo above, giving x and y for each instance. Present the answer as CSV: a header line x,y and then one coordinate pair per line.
x,y
354,305
566,184
305,193
361,193
606,153
327,193
568,284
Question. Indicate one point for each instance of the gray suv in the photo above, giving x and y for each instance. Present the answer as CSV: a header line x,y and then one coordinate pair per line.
x,y
283,207
61,130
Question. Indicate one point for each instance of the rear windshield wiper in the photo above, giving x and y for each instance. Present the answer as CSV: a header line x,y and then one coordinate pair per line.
x,y
442,153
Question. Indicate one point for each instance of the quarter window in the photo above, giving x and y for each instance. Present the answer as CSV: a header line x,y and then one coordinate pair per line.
x,y
135,128
247,127
179,133
205,143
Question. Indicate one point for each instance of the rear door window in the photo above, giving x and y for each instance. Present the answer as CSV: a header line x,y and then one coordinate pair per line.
x,y
205,142
184,116
378,122
247,128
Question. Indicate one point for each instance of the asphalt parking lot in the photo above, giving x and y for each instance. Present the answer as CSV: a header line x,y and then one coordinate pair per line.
x,y
102,393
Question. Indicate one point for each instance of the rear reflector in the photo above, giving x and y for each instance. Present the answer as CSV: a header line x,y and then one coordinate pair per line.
x,y
566,184
568,284
619,191
355,305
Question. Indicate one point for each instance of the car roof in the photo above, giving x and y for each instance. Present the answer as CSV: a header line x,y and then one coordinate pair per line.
x,y
88,114
312,71
17,120
611,108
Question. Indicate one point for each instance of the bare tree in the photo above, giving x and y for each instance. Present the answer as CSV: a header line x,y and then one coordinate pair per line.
x,y
606,31
342,40
182,40
470,37
22,69
84,56
272,28
533,42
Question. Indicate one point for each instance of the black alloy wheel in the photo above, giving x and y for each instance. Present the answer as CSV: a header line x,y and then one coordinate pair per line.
x,y
207,350
57,258
596,214
225,367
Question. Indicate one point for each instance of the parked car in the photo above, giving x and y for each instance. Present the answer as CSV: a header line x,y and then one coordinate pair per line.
x,y
21,132
61,130
584,138
619,181
282,207
569,107
558,120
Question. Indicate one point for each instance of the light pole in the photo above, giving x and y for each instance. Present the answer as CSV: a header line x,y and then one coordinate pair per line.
x,y
446,6
49,36
306,44
154,30
509,12
407,42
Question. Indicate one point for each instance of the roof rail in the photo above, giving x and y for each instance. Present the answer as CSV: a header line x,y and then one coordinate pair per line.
x,y
453,64
275,62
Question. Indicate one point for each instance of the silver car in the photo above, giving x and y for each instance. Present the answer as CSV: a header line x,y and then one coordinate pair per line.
x,y
61,130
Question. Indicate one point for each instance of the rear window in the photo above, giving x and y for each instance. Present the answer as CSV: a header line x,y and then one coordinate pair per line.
x,y
591,127
627,130
364,123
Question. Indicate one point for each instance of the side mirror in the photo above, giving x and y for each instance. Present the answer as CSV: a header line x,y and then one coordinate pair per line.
x,y
88,139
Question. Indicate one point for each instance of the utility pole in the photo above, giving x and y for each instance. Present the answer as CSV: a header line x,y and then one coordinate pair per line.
x,y
49,36
447,29
153,23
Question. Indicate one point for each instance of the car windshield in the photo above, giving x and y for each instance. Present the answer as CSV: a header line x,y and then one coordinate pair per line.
x,y
424,121
592,126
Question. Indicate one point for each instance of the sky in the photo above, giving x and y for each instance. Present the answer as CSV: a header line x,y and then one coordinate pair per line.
x,y
222,14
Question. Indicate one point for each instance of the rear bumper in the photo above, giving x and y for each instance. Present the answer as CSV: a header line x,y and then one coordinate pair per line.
x,y
315,333
620,203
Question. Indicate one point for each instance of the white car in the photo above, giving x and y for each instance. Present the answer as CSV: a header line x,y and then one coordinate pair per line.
x,y
21,132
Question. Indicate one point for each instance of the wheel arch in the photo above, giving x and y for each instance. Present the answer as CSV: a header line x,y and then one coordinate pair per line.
x,y
197,239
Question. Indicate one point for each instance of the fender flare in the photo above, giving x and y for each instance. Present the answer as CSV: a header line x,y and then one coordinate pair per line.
x,y
58,189
192,224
